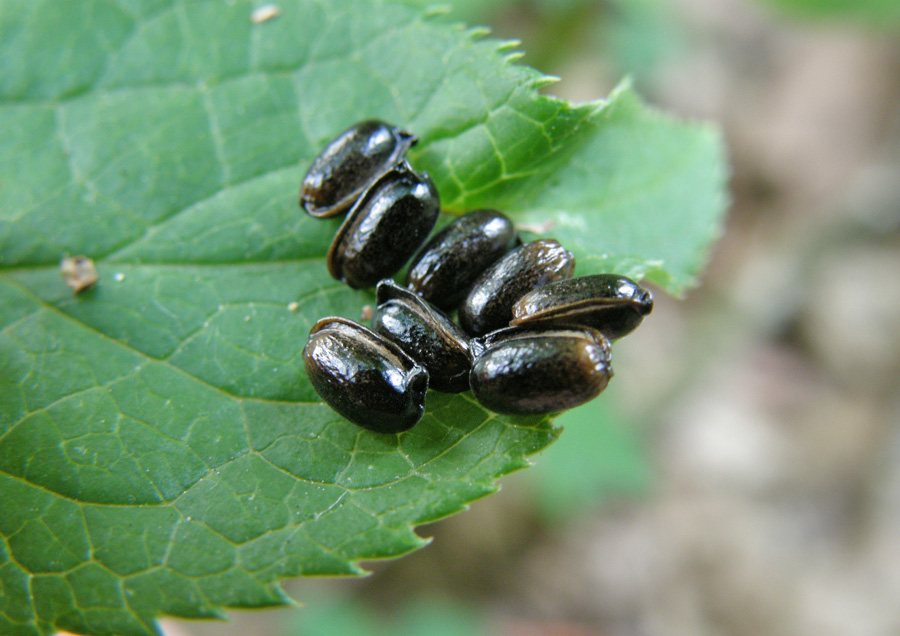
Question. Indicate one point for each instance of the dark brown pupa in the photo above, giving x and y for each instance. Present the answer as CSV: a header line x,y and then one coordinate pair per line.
x,y
488,305
426,334
540,370
365,378
449,264
613,305
386,226
349,163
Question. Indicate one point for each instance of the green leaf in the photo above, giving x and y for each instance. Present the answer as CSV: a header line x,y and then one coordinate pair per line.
x,y
161,450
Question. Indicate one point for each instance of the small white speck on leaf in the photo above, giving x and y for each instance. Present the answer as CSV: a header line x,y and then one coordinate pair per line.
x,y
265,13
79,272
119,277
246,318
366,313
537,228
294,307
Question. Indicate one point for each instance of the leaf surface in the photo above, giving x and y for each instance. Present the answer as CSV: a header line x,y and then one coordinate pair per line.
x,y
161,450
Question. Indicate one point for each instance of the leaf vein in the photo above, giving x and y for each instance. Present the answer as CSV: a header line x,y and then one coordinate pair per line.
x,y
145,356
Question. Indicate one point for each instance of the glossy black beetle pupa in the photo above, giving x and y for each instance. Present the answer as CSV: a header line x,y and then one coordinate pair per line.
x,y
540,370
488,306
453,259
364,377
386,226
426,334
348,165
613,305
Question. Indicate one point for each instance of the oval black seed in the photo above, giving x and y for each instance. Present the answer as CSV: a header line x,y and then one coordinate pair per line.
x,y
386,226
614,305
448,265
426,334
364,377
536,371
351,162
488,305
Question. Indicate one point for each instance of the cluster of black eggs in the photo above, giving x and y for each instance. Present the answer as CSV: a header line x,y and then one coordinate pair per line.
x,y
531,338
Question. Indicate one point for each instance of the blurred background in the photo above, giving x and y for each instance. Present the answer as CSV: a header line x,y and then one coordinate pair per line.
x,y
741,475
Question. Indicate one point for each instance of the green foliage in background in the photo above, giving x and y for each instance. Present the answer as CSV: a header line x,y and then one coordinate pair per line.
x,y
599,456
431,616
161,450
879,14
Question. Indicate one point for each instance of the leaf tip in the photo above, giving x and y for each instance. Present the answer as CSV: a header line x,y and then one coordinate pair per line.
x,y
545,80
502,46
478,32
436,10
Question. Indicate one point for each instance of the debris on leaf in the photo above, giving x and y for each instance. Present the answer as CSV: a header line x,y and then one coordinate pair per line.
x,y
265,13
78,272
366,313
294,306
537,228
